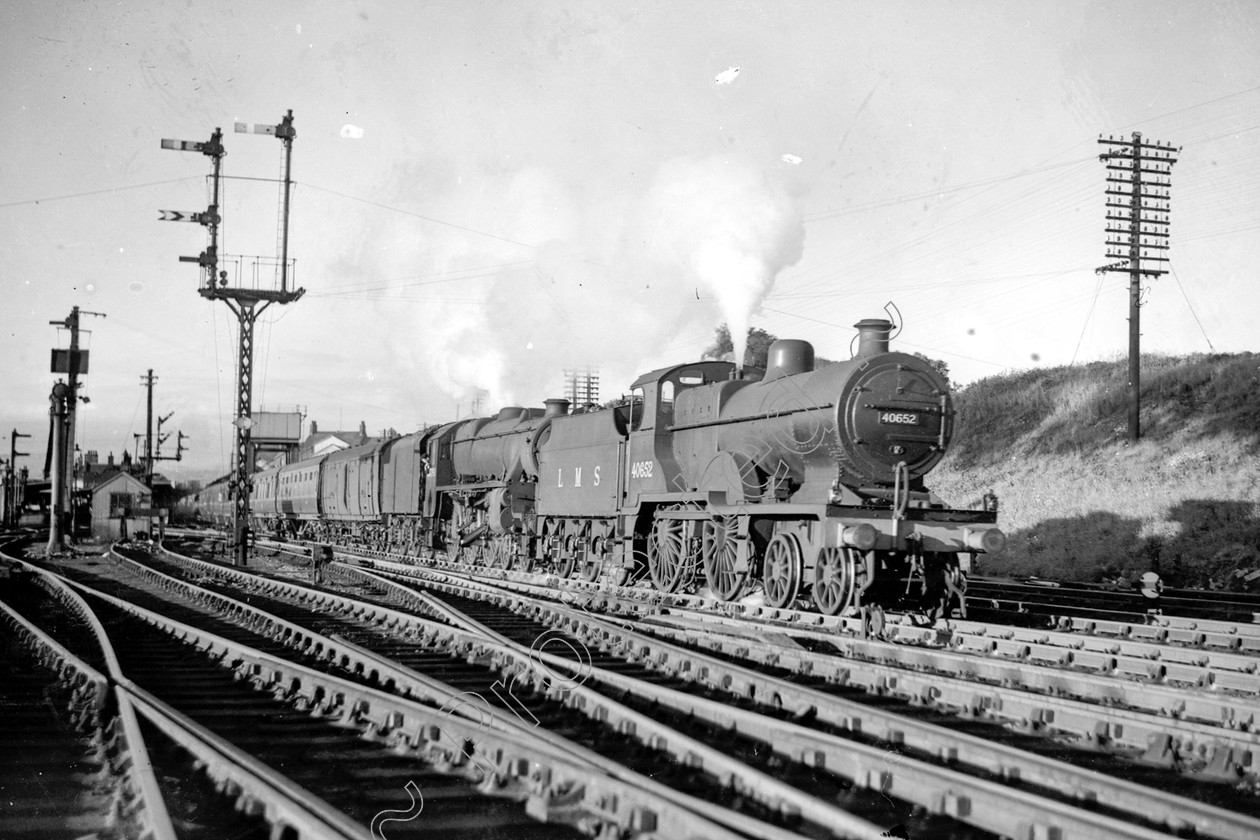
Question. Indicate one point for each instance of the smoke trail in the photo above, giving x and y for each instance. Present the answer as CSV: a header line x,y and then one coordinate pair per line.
x,y
609,282
734,227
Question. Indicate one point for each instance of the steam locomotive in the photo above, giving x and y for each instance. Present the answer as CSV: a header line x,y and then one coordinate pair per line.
x,y
804,482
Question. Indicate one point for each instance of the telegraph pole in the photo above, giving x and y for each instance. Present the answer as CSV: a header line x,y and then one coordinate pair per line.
x,y
148,381
12,502
153,443
58,399
1138,206
72,363
247,303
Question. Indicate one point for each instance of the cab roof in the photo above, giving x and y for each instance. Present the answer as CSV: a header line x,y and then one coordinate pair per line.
x,y
713,371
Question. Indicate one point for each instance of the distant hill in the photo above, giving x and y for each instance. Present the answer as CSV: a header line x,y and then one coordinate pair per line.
x,y
1079,502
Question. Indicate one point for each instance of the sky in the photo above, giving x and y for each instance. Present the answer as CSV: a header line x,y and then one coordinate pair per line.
x,y
487,194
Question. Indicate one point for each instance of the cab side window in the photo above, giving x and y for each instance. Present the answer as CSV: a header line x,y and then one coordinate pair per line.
x,y
636,409
665,407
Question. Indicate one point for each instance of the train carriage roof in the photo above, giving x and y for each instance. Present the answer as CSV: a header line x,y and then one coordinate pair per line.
x,y
305,464
353,453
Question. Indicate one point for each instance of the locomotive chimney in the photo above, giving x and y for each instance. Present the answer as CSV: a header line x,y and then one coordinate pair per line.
x,y
788,357
873,336
556,407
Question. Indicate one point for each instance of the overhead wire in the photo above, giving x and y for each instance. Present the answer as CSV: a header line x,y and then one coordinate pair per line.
x,y
1088,315
129,434
1172,270
51,198
934,234
423,217
1068,196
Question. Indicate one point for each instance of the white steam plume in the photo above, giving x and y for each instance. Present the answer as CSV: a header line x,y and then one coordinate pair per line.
x,y
734,227
609,282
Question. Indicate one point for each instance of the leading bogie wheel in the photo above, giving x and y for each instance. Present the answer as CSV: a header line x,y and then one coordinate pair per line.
x,y
835,580
781,570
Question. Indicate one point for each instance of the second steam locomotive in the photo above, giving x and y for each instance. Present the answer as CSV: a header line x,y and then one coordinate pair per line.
x,y
804,482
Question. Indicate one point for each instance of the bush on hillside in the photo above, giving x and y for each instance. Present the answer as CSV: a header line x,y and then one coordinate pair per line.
x,y
1182,503
1084,408
1215,539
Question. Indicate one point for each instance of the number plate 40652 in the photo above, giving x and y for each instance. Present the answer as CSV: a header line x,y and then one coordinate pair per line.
x,y
899,418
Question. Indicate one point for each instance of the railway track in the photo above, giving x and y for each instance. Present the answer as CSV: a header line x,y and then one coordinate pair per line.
x,y
1159,811
82,756
1115,670
1241,635
62,772
811,664
1224,656
1086,601
292,741
731,790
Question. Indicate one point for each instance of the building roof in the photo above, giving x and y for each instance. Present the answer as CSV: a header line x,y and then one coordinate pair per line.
x,y
94,474
117,476
321,442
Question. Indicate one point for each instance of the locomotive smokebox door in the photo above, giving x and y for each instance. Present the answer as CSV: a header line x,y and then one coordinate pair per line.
x,y
893,412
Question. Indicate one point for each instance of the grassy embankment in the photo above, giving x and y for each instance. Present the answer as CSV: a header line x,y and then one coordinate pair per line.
x,y
1079,502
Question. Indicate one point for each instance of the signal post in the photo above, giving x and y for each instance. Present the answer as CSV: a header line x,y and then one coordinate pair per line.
x,y
245,302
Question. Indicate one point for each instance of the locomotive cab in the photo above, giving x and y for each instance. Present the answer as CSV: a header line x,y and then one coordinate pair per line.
x,y
652,468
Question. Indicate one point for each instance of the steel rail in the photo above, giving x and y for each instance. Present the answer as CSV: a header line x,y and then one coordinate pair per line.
x,y
512,762
1220,654
1088,673
1223,635
1222,758
733,820
1005,694
623,719
1157,806
998,661
358,658
989,805
387,617
141,806
1192,632
775,794
287,805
